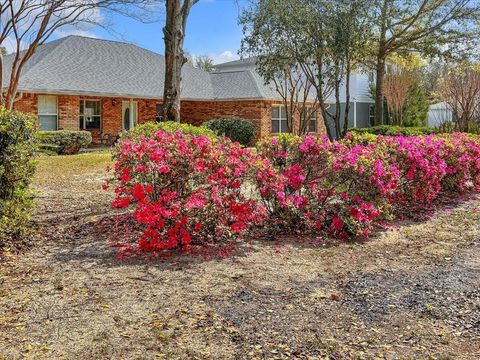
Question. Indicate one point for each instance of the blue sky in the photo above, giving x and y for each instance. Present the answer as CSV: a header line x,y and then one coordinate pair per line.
x,y
212,30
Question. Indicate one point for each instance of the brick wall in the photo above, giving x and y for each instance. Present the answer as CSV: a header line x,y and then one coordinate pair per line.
x,y
197,112
68,112
27,103
194,112
257,111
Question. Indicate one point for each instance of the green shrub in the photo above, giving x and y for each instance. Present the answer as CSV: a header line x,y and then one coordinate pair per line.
x,y
235,129
359,138
17,148
64,142
388,130
449,127
168,126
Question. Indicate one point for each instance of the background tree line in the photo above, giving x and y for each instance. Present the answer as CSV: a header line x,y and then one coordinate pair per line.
x,y
323,41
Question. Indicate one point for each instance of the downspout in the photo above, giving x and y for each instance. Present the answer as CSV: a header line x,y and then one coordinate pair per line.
x,y
354,114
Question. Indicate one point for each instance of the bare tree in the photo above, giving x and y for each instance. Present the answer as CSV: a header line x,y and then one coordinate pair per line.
x,y
299,98
204,62
396,89
460,89
27,24
174,34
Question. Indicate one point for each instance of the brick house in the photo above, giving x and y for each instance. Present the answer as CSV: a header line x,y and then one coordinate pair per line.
x,y
79,83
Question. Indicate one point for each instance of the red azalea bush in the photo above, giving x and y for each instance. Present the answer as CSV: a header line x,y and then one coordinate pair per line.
x,y
188,188
185,189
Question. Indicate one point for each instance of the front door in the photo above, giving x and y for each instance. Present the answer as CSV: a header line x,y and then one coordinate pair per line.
x,y
129,115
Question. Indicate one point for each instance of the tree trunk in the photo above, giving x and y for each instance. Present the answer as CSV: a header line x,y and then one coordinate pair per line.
x,y
347,97
380,73
1,79
173,35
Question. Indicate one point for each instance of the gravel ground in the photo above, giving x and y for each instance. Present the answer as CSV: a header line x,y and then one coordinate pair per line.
x,y
406,294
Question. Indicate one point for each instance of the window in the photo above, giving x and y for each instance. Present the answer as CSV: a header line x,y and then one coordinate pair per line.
x,y
129,114
90,117
47,112
159,112
312,121
371,114
279,120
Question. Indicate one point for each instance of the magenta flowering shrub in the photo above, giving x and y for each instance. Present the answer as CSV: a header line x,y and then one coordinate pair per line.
x,y
188,189
185,189
346,187
324,186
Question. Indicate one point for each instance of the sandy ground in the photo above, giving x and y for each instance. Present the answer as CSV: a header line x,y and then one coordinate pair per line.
x,y
407,294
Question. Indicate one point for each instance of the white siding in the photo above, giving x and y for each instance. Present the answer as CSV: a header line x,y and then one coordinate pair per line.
x,y
438,113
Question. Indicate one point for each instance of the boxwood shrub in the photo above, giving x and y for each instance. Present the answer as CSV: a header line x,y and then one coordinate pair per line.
x,y
17,149
64,142
388,130
147,128
236,129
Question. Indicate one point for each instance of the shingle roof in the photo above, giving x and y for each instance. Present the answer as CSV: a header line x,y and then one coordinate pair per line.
x,y
81,65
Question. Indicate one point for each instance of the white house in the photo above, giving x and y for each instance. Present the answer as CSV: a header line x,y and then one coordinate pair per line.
x,y
439,113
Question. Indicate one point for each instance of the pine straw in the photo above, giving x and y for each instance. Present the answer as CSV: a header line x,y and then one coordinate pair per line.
x,y
411,293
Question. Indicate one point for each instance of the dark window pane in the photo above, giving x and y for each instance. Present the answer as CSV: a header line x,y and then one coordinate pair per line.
x,y
275,126
284,126
92,122
94,105
82,103
312,125
159,112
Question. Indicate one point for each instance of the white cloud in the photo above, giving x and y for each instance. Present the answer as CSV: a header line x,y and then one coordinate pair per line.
x,y
73,31
11,45
222,57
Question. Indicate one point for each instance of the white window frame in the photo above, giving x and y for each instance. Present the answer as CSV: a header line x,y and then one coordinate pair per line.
x,y
48,114
281,111
83,115
133,117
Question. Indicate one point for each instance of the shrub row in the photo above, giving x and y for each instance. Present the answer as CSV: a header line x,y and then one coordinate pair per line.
x,y
64,142
147,129
187,188
388,130
235,129
17,146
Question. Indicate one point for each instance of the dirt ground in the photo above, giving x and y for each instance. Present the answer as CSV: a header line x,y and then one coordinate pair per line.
x,y
411,293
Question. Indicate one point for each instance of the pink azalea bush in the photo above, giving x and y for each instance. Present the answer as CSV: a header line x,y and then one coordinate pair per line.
x,y
191,189
346,187
324,186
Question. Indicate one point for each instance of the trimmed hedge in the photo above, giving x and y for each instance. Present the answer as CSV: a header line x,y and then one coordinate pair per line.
x,y
149,127
64,142
17,149
236,129
388,130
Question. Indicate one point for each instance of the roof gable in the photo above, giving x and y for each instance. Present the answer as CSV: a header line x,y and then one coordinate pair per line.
x,y
82,65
